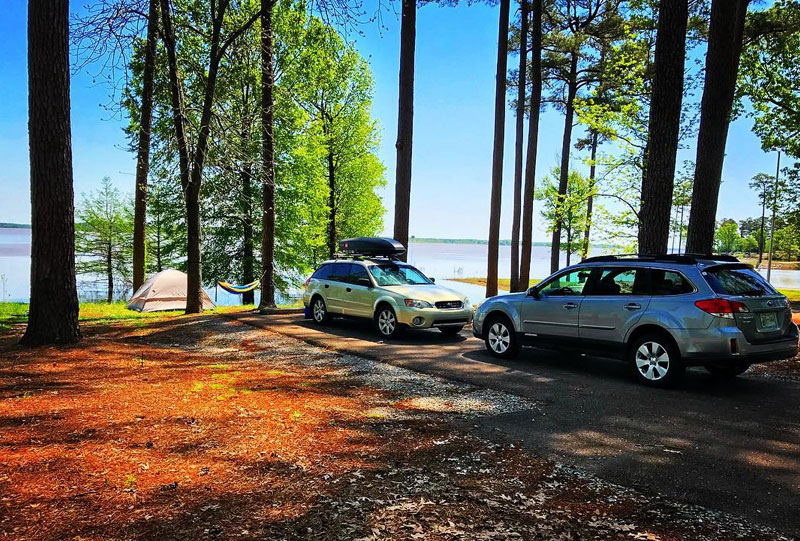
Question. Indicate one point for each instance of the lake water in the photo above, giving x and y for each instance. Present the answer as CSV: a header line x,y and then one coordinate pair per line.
x,y
443,261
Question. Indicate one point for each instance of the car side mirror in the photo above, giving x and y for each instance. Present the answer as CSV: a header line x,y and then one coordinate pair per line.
x,y
533,292
364,282
433,280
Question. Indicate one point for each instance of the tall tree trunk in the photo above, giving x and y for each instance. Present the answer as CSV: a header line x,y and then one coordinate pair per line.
x,y
143,151
405,123
53,310
267,159
331,203
761,234
248,259
109,275
590,199
159,264
192,174
533,141
566,145
518,143
664,123
722,65
497,153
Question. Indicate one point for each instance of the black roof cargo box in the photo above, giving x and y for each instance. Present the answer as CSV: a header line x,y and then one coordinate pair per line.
x,y
372,246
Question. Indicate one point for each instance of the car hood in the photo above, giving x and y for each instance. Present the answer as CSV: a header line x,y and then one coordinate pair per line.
x,y
428,292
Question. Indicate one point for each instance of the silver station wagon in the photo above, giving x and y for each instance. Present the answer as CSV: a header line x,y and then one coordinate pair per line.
x,y
368,282
661,314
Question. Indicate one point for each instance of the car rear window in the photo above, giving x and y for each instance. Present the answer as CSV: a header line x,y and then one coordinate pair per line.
x,y
737,280
666,282
323,272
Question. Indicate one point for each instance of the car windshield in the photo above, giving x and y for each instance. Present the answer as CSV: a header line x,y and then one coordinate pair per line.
x,y
397,275
737,280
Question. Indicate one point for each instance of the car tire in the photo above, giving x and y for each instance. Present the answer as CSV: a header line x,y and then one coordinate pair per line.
x,y
726,372
501,338
386,322
451,331
319,311
656,361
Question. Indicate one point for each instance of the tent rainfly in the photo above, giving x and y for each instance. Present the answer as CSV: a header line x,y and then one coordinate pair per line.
x,y
165,290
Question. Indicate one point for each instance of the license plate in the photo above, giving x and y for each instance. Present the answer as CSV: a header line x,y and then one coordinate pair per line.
x,y
769,320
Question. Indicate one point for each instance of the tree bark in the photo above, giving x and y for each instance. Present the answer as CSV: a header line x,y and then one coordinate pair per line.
x,y
566,145
109,275
518,144
53,310
590,199
331,203
533,141
722,66
761,234
497,153
405,123
143,150
664,123
267,158
247,236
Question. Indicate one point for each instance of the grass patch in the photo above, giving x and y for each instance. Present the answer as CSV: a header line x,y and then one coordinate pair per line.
x,y
13,313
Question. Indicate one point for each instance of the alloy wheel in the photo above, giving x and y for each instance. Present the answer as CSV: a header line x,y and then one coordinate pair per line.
x,y
319,311
387,322
652,361
499,338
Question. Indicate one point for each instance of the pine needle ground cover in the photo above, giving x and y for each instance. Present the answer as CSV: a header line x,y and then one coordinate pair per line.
x,y
199,427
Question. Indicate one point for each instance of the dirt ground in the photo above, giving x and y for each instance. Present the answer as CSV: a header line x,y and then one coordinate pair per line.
x,y
202,427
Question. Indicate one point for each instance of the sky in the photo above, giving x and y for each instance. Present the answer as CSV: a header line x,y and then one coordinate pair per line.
x,y
453,126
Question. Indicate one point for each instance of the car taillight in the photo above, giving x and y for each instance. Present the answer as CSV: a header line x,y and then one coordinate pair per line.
x,y
721,307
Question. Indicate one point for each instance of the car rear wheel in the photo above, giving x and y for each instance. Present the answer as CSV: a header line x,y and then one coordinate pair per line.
x,y
656,361
501,340
319,312
726,372
386,322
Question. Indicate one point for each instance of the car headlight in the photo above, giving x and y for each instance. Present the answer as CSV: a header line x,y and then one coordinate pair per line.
x,y
467,303
414,303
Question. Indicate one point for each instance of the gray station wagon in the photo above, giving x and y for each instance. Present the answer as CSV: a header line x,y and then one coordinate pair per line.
x,y
661,314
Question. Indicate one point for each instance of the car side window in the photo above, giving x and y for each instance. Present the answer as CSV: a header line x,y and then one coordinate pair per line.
x,y
570,283
323,272
666,282
339,272
618,281
357,272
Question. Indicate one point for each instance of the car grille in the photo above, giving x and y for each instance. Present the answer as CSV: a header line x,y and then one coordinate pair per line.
x,y
449,304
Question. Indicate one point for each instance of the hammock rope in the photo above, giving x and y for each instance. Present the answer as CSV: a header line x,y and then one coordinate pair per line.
x,y
238,290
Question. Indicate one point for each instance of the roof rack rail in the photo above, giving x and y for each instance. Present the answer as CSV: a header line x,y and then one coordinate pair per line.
x,y
673,258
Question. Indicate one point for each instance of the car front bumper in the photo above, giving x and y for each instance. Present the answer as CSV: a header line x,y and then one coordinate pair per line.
x,y
425,318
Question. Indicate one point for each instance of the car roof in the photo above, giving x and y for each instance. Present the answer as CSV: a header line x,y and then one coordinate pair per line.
x,y
666,261
365,260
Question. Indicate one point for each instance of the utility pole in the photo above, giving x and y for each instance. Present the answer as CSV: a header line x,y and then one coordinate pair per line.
x,y
774,211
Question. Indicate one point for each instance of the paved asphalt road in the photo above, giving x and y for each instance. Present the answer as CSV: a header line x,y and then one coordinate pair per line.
x,y
732,446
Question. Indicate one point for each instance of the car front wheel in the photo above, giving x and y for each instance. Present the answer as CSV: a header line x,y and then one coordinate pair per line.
x,y
386,322
656,361
501,340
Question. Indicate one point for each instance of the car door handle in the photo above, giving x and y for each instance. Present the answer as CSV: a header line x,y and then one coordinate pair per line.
x,y
632,306
570,306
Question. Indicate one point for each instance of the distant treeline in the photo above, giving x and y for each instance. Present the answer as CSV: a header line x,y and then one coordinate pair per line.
x,y
503,242
6,225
